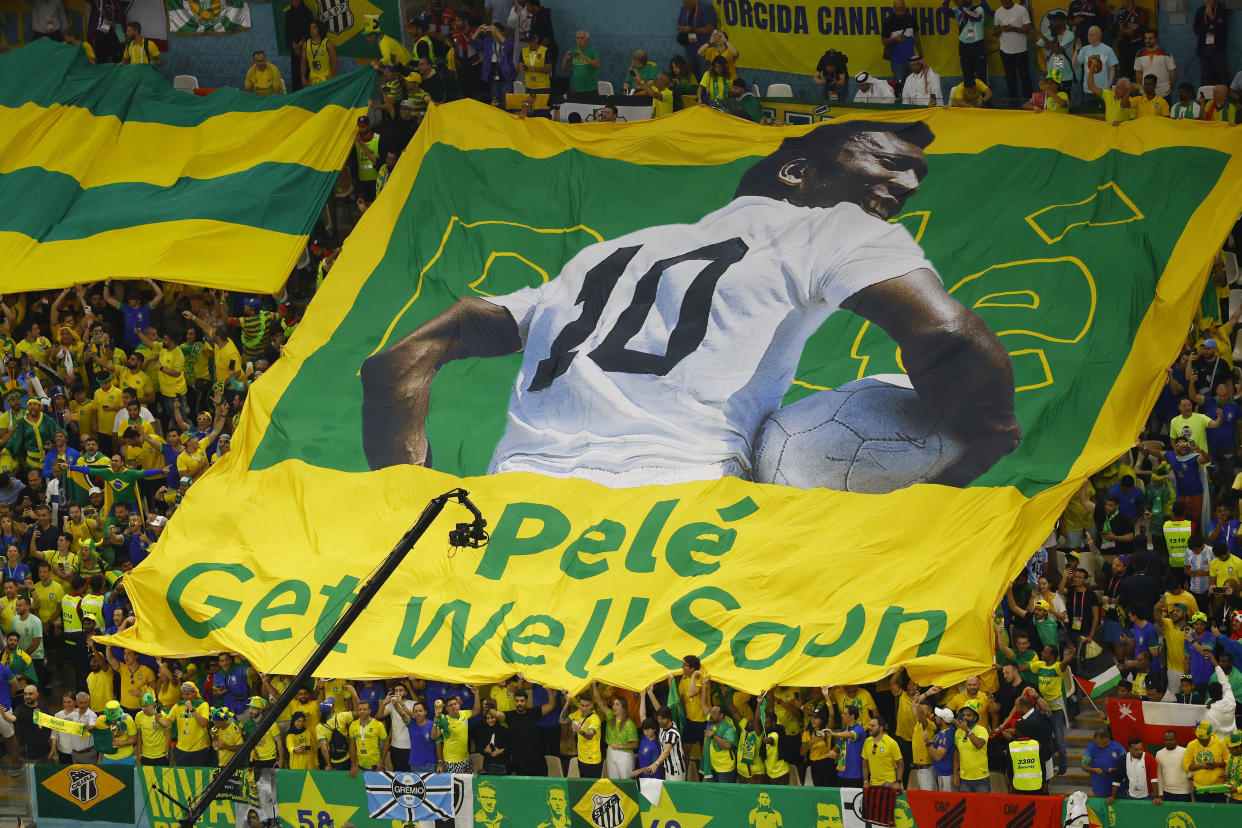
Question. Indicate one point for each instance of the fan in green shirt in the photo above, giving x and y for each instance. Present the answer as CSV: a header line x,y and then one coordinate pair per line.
x,y
585,59
122,483
33,435
742,103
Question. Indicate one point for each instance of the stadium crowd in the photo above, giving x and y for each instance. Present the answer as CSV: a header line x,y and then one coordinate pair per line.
x,y
117,397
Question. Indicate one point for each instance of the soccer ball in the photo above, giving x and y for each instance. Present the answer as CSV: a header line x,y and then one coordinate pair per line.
x,y
871,436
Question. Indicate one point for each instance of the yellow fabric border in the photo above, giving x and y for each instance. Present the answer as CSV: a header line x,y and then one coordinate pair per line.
x,y
199,252
103,150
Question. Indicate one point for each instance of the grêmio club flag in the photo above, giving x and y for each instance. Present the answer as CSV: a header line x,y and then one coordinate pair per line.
x,y
799,400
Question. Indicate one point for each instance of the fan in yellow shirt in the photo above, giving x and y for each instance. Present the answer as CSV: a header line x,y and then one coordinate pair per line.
x,y
881,755
585,723
226,736
124,733
368,741
972,694
263,78
1206,757
193,721
153,730
1151,105
300,744
136,679
108,402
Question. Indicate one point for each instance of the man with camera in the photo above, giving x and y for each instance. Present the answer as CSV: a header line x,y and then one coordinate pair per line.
x,y
832,72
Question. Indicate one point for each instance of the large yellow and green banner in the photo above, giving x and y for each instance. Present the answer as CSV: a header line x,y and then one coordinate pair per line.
x,y
797,400
108,172
792,36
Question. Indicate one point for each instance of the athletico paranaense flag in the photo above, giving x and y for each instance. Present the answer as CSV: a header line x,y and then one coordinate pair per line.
x,y
1149,720
700,375
109,172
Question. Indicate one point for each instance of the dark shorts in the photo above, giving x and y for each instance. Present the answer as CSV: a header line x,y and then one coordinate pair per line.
x,y
692,733
194,758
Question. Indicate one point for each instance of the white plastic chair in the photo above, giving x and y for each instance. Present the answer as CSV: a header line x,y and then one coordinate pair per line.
x,y
1204,92
519,88
185,83
554,765
780,90
573,769
605,88
754,90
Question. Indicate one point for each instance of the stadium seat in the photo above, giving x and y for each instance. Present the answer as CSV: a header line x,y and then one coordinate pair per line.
x,y
1231,268
476,759
519,88
185,83
573,769
554,765
810,781
754,90
780,90
1204,92
605,88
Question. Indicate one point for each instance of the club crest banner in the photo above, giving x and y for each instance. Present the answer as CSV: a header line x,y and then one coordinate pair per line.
x,y
799,401
343,23
187,17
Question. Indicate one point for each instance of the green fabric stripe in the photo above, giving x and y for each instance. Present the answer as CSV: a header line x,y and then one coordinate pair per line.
x,y
49,73
270,196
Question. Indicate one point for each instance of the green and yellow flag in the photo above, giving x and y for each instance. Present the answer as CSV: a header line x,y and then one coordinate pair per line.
x,y
108,172
797,400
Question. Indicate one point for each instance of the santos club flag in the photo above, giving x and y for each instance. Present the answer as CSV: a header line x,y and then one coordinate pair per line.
x,y
797,400
109,172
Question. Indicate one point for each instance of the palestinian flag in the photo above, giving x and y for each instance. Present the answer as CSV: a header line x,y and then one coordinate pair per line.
x,y
1100,683
207,16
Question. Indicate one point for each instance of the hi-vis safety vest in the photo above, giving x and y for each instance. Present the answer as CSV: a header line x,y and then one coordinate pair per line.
x,y
1027,776
69,613
1177,538
93,605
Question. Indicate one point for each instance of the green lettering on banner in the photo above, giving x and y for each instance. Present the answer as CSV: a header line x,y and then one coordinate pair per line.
x,y
462,652
506,541
937,621
227,607
268,608
517,635
610,536
683,616
577,663
337,598
634,616
703,538
183,785
641,555
741,642
855,622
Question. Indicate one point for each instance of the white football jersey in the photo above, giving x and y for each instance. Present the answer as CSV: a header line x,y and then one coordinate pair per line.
x,y
655,357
